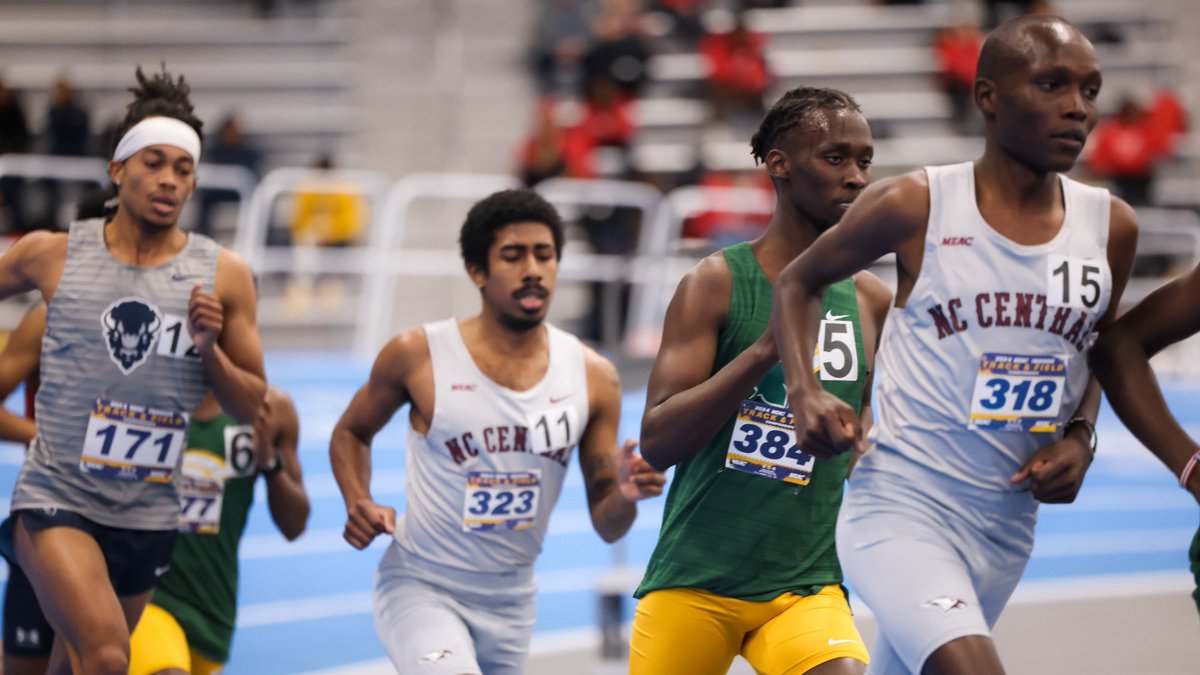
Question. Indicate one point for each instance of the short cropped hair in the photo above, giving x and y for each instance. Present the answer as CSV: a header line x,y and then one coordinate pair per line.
x,y
792,110
499,210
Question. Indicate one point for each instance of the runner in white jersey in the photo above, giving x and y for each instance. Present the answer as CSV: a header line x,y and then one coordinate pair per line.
x,y
499,403
984,403
142,318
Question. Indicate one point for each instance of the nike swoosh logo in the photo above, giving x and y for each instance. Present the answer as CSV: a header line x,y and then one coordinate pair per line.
x,y
840,642
830,316
183,277
559,399
159,571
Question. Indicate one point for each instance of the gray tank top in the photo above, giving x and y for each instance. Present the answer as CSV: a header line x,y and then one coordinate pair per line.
x,y
119,378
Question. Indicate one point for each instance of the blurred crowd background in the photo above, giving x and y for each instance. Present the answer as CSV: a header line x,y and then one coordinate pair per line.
x,y
331,102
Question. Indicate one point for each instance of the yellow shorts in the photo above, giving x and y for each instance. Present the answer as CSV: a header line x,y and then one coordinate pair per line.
x,y
687,630
158,643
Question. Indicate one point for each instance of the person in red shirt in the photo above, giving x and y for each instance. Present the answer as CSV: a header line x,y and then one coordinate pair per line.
x,y
738,75
1166,120
957,50
1125,151
552,150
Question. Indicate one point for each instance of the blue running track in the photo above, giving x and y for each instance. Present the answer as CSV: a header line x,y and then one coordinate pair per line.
x,y
306,606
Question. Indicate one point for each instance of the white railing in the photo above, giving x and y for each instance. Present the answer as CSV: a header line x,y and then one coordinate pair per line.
x,y
229,177
375,310
660,266
652,271
251,238
393,260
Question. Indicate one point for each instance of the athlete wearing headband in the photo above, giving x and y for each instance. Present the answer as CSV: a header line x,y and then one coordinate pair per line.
x,y
158,131
143,319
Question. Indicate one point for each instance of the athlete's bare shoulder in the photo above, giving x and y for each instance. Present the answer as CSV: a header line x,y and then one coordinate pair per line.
x,y
702,297
603,386
38,247
35,261
1122,220
233,271
905,197
403,355
711,273
600,368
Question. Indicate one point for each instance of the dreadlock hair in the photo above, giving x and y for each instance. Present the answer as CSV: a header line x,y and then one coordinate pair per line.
x,y
499,210
792,110
160,95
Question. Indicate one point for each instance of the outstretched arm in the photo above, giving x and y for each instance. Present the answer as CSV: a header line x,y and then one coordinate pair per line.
x,y
686,403
888,217
1121,360
276,436
18,361
350,445
614,477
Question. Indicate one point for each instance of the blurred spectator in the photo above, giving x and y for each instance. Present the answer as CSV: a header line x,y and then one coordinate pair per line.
x,y
561,34
551,150
229,147
14,137
1167,121
327,211
997,12
1125,151
726,221
685,18
738,76
618,51
107,138
607,114
68,134
957,49
68,123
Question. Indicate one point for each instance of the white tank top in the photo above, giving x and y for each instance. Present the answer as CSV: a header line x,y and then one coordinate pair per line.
x,y
988,359
483,481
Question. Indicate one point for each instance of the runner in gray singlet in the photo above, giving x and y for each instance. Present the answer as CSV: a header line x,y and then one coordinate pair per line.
x,y
142,319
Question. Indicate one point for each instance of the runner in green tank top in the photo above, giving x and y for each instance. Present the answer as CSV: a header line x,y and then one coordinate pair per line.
x,y
745,562
189,623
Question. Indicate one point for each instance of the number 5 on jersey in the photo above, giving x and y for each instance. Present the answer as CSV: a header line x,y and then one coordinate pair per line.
x,y
837,354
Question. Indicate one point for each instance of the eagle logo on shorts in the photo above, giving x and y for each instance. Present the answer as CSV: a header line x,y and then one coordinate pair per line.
x,y
435,656
945,603
130,327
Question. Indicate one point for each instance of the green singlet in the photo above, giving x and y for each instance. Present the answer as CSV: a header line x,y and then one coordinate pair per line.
x,y
200,589
747,536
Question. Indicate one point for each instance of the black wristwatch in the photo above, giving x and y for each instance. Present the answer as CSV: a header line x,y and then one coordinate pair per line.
x,y
274,467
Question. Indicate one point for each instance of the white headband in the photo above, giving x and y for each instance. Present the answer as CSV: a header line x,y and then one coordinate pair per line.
x,y
158,131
